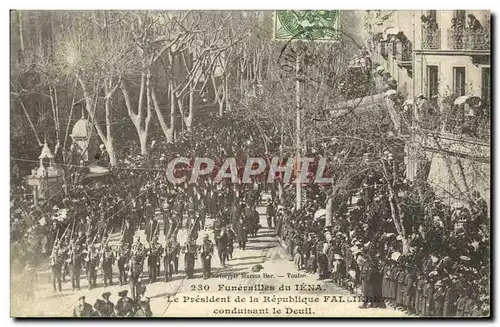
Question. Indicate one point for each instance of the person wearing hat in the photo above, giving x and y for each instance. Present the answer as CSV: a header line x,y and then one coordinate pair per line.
x,y
82,308
106,306
438,298
152,227
108,260
56,260
124,306
207,250
123,259
143,309
410,279
190,251
155,252
92,261
427,295
75,262
136,266
99,309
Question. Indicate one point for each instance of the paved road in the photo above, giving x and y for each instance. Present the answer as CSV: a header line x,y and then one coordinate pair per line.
x,y
270,290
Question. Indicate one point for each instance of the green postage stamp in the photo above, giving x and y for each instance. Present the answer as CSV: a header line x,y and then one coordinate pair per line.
x,y
313,25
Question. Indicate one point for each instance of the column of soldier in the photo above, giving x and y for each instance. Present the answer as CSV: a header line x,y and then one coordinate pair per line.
x,y
445,272
233,221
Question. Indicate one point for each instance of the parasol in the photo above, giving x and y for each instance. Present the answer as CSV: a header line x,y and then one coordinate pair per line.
x,y
461,100
390,93
395,256
320,213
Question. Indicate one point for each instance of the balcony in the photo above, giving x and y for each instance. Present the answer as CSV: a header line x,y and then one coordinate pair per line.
x,y
431,38
460,39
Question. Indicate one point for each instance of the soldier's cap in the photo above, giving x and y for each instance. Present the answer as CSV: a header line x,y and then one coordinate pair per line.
x,y
106,295
123,293
81,297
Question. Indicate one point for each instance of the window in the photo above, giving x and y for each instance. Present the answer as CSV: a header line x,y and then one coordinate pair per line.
x,y
433,15
459,80
486,85
432,82
459,15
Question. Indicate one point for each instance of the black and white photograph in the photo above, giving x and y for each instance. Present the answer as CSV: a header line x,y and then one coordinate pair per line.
x,y
250,163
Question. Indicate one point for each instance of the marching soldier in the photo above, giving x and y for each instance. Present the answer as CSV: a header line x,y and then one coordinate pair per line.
x,y
191,250
168,259
75,261
207,250
202,213
230,242
136,267
123,258
178,211
108,260
124,306
270,212
56,265
241,234
91,263
82,309
155,253
176,246
191,212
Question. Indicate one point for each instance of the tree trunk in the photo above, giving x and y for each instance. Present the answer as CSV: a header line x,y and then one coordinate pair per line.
x,y
110,144
21,34
167,131
329,211
189,119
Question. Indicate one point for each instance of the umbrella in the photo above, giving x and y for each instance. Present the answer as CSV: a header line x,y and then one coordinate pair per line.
x,y
464,258
395,256
337,257
461,100
390,93
408,102
320,213
380,69
392,31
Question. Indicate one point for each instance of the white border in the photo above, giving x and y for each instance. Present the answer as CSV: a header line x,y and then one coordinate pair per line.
x,y
191,4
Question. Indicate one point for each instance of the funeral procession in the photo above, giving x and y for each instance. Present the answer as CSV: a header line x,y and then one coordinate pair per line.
x,y
236,164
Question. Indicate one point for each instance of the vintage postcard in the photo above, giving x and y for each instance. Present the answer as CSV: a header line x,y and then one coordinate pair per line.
x,y
264,164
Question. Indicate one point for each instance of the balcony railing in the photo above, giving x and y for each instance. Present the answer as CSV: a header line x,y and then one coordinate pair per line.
x,y
403,51
431,38
460,39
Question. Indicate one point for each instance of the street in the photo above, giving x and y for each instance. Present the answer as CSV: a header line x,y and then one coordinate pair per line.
x,y
230,289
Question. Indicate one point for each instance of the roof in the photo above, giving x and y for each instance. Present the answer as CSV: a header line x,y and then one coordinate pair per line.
x,y
46,153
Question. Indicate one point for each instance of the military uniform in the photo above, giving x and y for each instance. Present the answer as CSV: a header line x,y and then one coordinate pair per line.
x,y
123,258
207,250
168,260
55,265
108,259
91,261
190,256
202,214
155,253
136,266
191,212
75,265
83,309
124,306
175,256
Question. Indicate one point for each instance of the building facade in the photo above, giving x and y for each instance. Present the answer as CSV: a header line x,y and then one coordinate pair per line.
x,y
440,56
